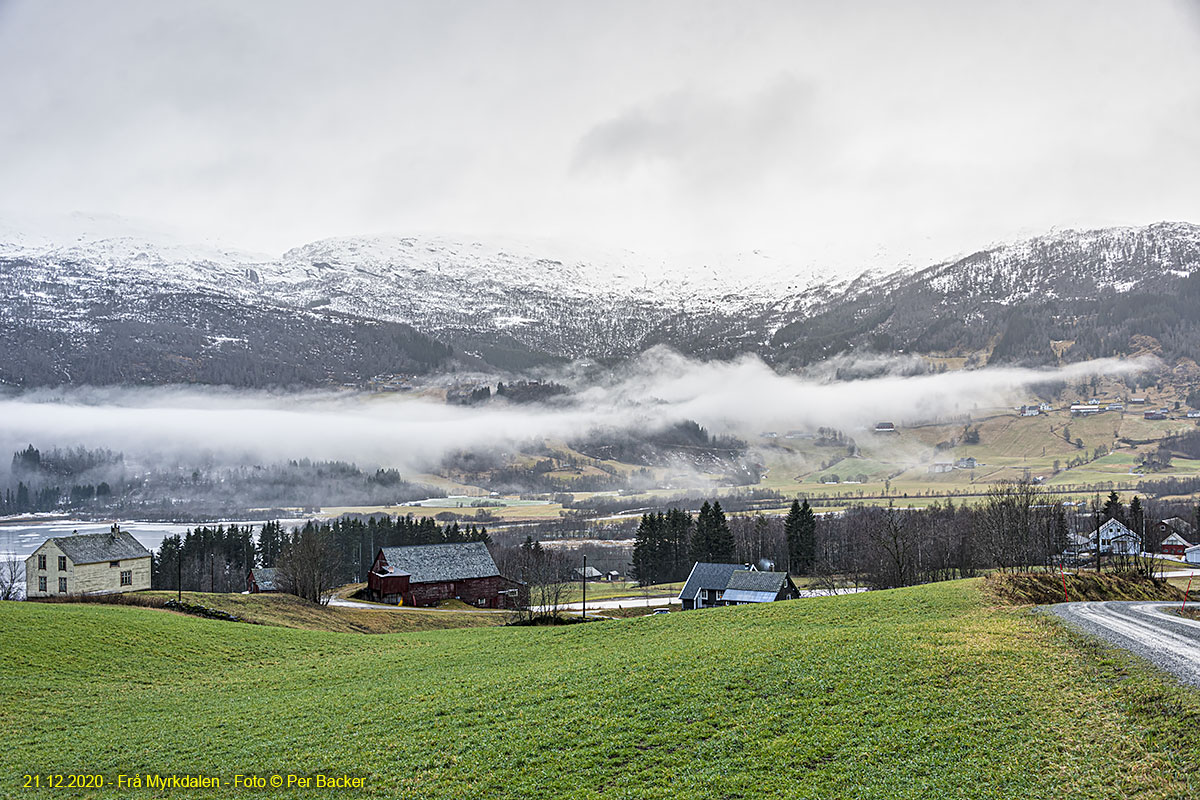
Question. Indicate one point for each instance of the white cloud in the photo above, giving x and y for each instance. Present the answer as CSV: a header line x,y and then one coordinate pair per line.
x,y
660,388
835,134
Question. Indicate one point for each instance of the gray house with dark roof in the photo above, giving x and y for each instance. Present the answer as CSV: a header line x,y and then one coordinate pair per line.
x,y
752,586
711,585
428,574
94,563
706,584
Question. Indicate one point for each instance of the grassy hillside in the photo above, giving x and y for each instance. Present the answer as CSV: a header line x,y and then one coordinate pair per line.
x,y
918,693
288,611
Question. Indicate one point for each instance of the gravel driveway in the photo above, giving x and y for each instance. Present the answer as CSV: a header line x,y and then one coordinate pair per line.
x,y
1146,628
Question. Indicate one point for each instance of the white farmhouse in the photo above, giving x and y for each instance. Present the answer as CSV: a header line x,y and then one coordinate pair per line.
x,y
1118,539
97,563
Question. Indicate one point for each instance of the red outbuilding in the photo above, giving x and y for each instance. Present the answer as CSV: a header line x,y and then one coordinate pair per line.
x,y
427,574
1176,536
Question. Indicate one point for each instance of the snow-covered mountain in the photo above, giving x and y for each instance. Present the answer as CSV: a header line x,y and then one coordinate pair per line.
x,y
483,295
153,307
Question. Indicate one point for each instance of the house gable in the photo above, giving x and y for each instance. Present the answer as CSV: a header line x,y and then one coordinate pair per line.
x,y
103,563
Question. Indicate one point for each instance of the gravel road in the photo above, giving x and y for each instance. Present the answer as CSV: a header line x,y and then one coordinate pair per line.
x,y
1145,628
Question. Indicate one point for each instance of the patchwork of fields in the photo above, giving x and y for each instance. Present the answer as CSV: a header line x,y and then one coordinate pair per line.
x,y
924,692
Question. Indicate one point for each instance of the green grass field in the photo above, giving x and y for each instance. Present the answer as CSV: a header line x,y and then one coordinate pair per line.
x,y
917,693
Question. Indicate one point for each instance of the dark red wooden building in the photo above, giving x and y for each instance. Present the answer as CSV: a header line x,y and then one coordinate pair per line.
x,y
427,574
1176,535
263,579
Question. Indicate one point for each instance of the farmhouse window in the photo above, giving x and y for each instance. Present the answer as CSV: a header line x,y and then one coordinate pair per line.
x,y
41,563
62,563
114,563
62,585
127,577
41,583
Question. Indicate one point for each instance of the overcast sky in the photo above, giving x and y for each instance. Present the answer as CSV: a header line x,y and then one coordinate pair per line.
x,y
836,133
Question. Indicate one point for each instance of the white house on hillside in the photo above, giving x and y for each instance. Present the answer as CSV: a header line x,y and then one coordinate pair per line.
x,y
1117,539
97,563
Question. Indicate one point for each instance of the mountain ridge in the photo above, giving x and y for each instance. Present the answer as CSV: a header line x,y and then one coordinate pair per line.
x,y
510,306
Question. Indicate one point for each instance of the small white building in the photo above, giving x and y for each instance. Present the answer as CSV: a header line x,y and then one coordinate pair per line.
x,y
1192,554
97,563
1117,539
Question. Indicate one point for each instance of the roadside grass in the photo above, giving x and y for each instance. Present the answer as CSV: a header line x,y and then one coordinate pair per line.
x,y
926,692
1048,587
288,611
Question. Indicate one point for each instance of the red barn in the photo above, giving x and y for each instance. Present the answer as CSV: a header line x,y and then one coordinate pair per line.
x,y
263,579
427,574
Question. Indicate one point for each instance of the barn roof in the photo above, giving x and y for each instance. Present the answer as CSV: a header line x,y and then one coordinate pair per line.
x,y
708,576
434,563
91,548
267,578
590,572
754,581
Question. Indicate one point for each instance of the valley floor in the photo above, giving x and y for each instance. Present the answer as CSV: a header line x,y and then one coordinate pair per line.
x,y
926,692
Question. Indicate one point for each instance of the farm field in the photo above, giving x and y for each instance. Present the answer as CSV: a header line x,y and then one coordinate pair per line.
x,y
896,468
602,590
288,611
926,692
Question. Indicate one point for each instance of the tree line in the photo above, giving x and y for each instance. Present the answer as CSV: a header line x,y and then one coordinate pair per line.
x,y
1016,527
666,545
311,558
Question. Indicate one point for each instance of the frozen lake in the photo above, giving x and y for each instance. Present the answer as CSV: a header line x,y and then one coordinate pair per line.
x,y
20,539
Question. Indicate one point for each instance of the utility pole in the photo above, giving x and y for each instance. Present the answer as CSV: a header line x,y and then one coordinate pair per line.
x,y
584,614
179,574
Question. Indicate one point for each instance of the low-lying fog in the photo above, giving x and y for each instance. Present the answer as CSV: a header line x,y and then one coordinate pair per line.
x,y
413,433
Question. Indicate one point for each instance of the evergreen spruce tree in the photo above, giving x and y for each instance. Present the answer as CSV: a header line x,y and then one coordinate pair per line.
x,y
791,533
721,543
1113,507
647,550
1135,521
701,544
678,534
1060,530
801,530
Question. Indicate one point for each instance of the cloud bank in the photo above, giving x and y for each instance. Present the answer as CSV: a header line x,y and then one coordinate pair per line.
x,y
414,433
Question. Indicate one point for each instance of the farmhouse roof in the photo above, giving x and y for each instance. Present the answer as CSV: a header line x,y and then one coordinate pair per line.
x,y
435,563
266,578
91,548
1178,524
754,581
590,572
1117,527
705,575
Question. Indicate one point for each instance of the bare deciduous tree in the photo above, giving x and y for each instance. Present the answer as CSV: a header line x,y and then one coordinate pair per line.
x,y
547,573
308,565
11,577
